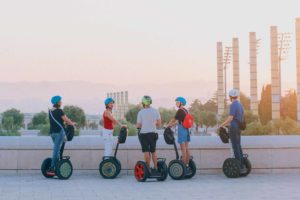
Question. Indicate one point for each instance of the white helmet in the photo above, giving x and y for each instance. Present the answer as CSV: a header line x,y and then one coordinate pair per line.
x,y
234,93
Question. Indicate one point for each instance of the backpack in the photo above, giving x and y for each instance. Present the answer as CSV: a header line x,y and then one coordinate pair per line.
x,y
188,121
169,136
122,135
224,135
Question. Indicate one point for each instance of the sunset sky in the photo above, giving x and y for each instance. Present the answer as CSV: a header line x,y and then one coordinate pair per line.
x,y
137,41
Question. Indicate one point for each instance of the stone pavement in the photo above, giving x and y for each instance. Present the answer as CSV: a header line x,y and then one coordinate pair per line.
x,y
92,186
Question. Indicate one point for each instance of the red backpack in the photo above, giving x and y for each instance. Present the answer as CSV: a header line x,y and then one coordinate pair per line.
x,y
188,121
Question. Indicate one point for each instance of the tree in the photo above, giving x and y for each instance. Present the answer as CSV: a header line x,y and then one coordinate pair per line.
x,y
13,118
250,117
208,119
93,125
265,105
76,114
131,115
211,105
166,115
288,105
245,101
39,119
195,110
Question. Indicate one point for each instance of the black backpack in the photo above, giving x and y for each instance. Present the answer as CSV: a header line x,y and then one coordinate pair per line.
x,y
122,135
70,132
169,136
224,135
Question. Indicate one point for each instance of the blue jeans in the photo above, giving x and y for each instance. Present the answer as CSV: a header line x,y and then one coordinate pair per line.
x,y
183,134
58,139
235,138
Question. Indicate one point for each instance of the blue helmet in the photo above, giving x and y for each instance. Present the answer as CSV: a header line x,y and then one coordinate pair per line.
x,y
181,100
55,99
108,101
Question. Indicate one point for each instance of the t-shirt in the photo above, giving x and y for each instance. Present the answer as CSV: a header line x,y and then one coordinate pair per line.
x,y
148,117
180,115
237,111
57,114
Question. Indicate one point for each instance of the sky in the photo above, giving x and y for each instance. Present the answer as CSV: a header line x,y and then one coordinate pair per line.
x,y
137,42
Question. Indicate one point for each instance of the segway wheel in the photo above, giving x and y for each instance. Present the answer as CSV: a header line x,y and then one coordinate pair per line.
x,y
64,169
141,171
163,169
109,168
231,168
193,169
177,169
248,166
45,166
119,167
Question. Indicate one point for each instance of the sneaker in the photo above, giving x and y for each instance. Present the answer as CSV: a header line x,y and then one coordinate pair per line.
x,y
50,172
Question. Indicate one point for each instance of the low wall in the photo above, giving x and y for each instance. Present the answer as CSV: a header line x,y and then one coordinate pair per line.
x,y
268,154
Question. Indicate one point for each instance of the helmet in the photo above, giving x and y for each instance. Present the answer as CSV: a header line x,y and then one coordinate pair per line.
x,y
181,100
234,93
146,100
55,99
108,101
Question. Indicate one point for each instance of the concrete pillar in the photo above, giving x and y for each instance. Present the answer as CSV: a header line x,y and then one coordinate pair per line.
x,y
236,63
298,65
275,82
220,78
253,72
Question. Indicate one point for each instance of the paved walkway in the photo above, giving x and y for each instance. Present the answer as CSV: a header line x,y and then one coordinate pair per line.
x,y
206,187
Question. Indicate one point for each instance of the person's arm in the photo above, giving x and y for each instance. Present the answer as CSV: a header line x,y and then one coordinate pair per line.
x,y
111,117
173,122
139,121
68,121
227,121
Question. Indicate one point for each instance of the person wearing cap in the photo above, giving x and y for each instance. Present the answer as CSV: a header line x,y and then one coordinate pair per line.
x,y
108,126
236,115
183,133
56,132
148,120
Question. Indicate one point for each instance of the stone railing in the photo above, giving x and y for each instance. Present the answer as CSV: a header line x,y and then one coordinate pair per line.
x,y
268,154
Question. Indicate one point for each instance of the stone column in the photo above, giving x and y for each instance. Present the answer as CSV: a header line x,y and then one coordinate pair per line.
x,y
220,79
253,72
236,63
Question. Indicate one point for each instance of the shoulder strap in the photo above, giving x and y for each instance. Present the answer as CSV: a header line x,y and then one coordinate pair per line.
x,y
52,117
184,110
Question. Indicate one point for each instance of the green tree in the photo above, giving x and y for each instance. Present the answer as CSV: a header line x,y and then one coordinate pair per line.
x,y
265,105
131,115
208,119
76,114
38,119
166,115
13,116
195,110
211,105
8,123
93,125
250,117
245,101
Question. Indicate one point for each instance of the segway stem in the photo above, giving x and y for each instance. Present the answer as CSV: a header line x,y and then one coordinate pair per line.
x,y
117,147
62,150
176,151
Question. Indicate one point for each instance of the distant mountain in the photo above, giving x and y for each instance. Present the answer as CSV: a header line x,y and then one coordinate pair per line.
x,y
35,96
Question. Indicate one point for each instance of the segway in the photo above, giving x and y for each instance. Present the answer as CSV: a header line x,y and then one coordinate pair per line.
x,y
177,169
110,166
63,168
232,166
142,171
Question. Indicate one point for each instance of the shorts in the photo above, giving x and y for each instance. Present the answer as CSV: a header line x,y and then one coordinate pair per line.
x,y
183,134
148,141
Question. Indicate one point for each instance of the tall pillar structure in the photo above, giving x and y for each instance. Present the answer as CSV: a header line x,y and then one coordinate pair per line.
x,y
220,79
298,65
121,103
275,74
253,72
236,63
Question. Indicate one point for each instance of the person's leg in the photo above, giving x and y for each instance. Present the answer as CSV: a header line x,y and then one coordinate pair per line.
x,y
108,139
183,152
153,137
235,141
154,159
57,140
187,161
147,158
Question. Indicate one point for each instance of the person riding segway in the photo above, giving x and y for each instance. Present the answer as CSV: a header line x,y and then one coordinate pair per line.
x,y
110,166
148,120
59,165
184,167
240,164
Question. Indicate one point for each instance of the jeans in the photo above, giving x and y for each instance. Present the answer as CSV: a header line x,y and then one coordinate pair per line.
x,y
58,139
235,138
